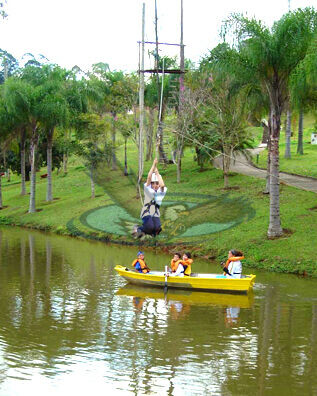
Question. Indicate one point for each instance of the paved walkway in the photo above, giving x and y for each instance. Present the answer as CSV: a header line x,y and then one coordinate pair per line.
x,y
243,166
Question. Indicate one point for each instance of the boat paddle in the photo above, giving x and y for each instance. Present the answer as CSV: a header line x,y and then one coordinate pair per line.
x,y
165,285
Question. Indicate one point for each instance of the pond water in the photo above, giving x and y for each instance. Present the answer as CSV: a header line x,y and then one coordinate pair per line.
x,y
69,323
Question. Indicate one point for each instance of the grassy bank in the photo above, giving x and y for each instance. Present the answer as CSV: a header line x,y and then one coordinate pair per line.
x,y
305,164
241,213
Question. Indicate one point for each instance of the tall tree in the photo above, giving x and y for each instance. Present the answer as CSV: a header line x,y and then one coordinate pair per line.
x,y
7,125
303,90
9,65
272,55
288,131
90,128
119,91
127,127
23,97
54,112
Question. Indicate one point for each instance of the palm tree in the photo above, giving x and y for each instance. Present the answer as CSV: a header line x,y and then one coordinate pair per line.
x,y
54,112
272,55
303,90
78,94
7,125
288,131
23,99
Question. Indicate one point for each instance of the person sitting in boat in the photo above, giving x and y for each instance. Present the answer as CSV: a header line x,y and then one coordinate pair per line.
x,y
154,192
139,264
177,266
233,267
187,262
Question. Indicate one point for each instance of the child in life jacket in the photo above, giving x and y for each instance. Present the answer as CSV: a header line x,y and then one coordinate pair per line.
x,y
176,265
139,264
233,267
187,262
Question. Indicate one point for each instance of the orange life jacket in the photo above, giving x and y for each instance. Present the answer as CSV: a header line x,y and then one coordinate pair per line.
x,y
187,266
233,258
145,269
174,264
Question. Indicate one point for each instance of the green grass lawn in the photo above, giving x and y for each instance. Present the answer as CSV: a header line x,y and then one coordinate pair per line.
x,y
305,164
244,205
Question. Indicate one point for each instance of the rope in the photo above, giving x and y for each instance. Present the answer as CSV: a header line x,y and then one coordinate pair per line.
x,y
140,195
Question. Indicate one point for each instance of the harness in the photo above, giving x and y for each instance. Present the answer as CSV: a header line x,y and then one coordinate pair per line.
x,y
148,207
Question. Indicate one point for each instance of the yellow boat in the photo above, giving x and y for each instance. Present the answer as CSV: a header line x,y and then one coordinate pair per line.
x,y
201,282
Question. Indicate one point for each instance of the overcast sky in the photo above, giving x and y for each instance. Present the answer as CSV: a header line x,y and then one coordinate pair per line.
x,y
81,32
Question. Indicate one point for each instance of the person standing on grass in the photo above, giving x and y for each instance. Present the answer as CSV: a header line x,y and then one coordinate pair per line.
x,y
154,192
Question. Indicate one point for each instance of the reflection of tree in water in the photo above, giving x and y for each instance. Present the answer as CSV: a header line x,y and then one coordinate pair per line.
x,y
201,339
46,314
51,311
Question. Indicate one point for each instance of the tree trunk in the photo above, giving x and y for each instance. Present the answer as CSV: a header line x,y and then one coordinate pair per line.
x,y
67,138
179,163
65,161
49,191
114,158
149,136
22,145
48,263
226,166
32,208
268,166
265,133
288,133
300,146
125,158
1,205
180,144
160,137
275,228
4,155
92,183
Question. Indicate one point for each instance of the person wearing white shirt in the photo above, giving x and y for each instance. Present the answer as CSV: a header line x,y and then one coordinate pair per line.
x,y
233,266
154,193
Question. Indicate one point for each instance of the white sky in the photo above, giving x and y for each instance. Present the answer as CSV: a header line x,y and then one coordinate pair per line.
x,y
81,32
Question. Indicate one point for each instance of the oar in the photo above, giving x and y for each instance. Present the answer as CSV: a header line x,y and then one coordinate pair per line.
x,y
165,285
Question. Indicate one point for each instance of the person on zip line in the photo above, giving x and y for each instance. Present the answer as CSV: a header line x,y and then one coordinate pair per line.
x,y
154,192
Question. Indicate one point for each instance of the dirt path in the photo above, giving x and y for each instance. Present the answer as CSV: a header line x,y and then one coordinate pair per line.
x,y
243,166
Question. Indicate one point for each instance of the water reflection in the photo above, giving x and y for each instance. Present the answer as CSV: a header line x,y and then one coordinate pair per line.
x,y
68,321
178,302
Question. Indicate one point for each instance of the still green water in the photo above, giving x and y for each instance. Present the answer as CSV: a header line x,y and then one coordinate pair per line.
x,y
69,325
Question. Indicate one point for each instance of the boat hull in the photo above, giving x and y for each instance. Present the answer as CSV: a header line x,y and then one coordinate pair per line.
x,y
202,282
